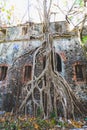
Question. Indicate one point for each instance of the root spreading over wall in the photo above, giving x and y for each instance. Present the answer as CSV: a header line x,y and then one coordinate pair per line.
x,y
49,91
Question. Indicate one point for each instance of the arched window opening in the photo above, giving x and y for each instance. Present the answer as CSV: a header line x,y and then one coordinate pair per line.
x,y
3,72
58,63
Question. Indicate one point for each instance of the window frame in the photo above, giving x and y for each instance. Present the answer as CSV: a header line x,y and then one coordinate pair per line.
x,y
24,30
79,72
83,72
30,77
1,76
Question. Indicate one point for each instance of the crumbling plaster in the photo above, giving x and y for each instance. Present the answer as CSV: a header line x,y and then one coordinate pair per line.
x,y
66,45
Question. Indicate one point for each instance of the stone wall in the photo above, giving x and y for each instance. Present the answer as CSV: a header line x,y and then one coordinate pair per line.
x,y
15,42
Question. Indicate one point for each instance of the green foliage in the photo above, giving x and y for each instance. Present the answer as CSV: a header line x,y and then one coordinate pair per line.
x,y
43,123
15,122
53,114
39,112
62,124
84,39
84,45
85,119
79,2
10,125
21,123
5,12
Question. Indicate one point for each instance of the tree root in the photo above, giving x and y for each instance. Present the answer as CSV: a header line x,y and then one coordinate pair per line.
x,y
48,90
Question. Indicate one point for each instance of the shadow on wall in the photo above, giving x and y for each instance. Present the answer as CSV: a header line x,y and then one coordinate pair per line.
x,y
8,102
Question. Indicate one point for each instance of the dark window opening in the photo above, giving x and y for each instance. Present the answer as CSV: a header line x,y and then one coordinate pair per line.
x,y
58,27
3,31
44,97
3,72
27,73
24,30
58,63
44,62
32,37
79,72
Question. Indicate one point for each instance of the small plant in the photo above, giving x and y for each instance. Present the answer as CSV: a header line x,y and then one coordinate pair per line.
x,y
10,125
43,124
39,112
53,114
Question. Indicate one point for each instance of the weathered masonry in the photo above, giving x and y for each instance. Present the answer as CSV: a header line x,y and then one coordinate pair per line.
x,y
16,64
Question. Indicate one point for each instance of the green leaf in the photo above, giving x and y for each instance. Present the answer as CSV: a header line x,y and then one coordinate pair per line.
x,y
3,9
9,17
84,39
79,2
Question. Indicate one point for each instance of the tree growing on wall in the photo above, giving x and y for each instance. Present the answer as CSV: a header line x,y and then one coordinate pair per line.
x,y
53,92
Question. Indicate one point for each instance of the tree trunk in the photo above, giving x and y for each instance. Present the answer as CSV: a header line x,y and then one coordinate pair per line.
x,y
54,94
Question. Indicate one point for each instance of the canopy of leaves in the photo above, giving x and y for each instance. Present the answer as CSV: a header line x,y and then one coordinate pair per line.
x,y
5,13
71,8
